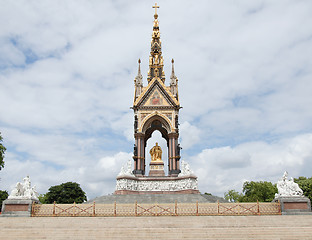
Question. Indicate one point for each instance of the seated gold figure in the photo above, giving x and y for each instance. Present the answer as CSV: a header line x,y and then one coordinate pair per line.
x,y
156,153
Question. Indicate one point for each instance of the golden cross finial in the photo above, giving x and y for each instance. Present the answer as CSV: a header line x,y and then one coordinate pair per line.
x,y
155,8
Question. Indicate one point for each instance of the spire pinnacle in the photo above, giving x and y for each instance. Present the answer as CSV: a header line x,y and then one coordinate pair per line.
x,y
139,70
173,76
156,61
156,15
138,81
172,72
174,82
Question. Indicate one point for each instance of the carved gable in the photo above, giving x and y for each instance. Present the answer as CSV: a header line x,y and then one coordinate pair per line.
x,y
156,98
156,95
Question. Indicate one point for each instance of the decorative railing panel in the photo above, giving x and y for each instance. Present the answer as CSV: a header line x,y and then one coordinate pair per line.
x,y
163,209
267,208
155,209
238,209
208,209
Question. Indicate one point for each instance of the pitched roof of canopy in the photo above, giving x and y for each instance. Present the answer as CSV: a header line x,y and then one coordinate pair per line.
x,y
164,91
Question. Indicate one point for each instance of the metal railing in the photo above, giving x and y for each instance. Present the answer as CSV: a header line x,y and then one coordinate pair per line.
x,y
161,209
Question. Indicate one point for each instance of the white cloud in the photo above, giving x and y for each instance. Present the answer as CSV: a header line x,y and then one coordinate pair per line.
x,y
224,168
96,177
190,135
67,70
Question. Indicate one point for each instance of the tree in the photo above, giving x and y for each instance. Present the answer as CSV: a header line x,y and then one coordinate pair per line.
x,y
306,185
3,195
2,151
262,191
233,196
42,198
253,192
69,192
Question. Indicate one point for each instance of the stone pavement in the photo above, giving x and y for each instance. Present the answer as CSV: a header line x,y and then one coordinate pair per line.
x,y
202,227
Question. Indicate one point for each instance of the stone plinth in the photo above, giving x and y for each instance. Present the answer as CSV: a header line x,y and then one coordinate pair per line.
x,y
157,169
156,185
294,204
17,207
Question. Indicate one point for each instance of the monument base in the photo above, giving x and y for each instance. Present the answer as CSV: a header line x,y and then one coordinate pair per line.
x,y
157,169
294,205
156,185
17,207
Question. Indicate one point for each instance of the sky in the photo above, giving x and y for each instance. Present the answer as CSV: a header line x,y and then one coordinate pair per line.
x,y
66,87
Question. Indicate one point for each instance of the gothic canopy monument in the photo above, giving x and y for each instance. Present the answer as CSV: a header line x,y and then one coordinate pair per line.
x,y
156,107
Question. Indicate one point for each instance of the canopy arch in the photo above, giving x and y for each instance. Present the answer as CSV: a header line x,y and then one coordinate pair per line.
x,y
153,122
156,122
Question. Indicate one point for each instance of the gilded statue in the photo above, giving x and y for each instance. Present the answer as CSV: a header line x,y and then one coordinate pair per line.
x,y
156,59
161,61
156,153
150,60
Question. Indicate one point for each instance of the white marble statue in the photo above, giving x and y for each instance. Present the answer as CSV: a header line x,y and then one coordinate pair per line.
x,y
24,191
288,188
185,169
126,169
122,171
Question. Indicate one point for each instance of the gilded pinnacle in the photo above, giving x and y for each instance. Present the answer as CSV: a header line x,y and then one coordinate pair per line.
x,y
155,16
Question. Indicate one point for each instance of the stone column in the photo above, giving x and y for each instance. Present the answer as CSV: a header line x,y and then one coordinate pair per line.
x,y
170,154
174,166
139,165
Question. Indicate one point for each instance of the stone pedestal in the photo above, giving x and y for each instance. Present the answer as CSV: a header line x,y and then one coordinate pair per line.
x,y
294,204
17,207
157,185
157,169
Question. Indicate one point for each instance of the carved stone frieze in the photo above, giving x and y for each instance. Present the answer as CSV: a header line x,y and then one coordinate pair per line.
x,y
132,184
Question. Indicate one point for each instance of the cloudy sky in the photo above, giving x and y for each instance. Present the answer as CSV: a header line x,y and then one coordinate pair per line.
x,y
66,87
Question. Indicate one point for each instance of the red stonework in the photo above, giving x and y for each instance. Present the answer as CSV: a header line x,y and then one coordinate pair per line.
x,y
155,178
16,207
295,205
188,191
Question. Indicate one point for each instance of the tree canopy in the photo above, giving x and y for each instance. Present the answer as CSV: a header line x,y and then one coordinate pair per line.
x,y
2,151
69,192
262,191
253,191
3,195
233,196
306,185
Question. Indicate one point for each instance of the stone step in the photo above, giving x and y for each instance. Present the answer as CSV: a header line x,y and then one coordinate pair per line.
x,y
202,227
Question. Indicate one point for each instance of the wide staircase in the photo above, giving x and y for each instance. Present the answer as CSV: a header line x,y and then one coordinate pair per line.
x,y
186,227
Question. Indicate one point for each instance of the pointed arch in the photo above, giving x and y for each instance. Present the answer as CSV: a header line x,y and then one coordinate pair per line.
x,y
156,121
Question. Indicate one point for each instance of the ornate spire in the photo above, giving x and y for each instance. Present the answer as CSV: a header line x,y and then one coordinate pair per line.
x,y
138,81
139,70
156,62
173,82
172,72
